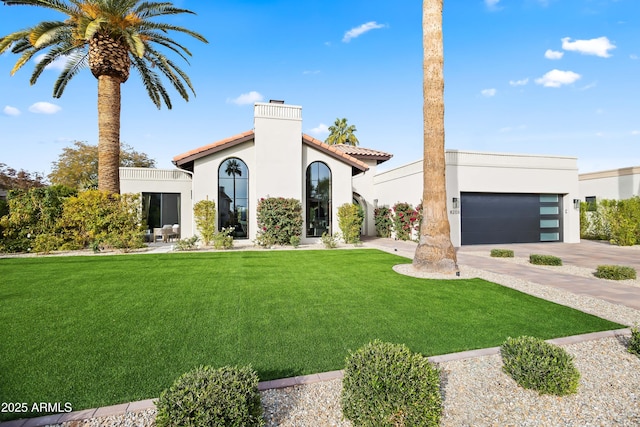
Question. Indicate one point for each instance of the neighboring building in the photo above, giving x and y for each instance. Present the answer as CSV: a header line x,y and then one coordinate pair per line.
x,y
616,184
492,197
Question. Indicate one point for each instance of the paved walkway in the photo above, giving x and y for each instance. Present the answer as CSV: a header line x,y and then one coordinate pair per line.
x,y
586,254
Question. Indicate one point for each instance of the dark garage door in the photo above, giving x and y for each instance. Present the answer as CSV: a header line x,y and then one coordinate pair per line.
x,y
488,218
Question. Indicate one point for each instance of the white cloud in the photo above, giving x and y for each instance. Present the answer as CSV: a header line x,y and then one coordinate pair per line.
x,y
522,82
599,47
246,98
358,31
58,64
44,108
488,92
320,130
633,56
492,4
553,54
557,78
11,111
635,132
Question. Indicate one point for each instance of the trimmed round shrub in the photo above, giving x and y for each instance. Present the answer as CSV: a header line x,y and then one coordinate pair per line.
x,y
502,253
387,385
634,341
205,396
538,365
615,272
545,260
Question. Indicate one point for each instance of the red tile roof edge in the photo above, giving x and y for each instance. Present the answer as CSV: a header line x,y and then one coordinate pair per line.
x,y
334,152
196,153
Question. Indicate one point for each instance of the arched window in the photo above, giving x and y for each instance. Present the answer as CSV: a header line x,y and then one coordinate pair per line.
x,y
318,199
233,197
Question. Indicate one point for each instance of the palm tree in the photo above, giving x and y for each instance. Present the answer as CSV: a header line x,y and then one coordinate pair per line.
x,y
435,252
110,37
340,133
233,169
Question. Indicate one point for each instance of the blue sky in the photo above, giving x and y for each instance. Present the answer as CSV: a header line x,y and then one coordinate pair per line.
x,y
559,77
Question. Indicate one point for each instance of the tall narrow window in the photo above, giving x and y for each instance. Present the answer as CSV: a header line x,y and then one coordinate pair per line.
x,y
233,197
318,199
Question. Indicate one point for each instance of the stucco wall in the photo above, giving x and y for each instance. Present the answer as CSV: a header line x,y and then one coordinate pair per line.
x,y
617,184
146,180
469,171
205,177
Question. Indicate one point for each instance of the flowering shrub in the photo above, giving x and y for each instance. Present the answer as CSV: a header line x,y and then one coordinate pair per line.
x,y
279,219
404,220
383,221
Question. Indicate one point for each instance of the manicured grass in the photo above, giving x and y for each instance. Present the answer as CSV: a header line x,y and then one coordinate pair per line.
x,y
97,331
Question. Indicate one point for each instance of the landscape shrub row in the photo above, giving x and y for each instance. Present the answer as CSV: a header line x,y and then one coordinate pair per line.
x,y
402,221
617,221
58,218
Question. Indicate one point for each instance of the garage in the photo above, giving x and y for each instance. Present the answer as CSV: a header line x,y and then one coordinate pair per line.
x,y
493,218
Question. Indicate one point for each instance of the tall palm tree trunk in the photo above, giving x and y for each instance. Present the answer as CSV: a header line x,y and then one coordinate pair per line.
x,y
435,252
109,133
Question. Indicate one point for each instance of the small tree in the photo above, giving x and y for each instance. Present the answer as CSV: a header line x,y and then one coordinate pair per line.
x,y
204,213
77,166
350,218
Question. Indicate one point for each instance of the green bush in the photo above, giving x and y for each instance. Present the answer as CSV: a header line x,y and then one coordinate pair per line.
x,y
350,218
383,221
387,385
99,218
634,341
545,260
30,213
279,219
186,244
223,239
615,272
294,241
617,221
329,241
204,214
538,365
502,253
205,396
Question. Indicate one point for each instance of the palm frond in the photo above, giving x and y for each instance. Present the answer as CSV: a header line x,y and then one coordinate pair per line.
x,y
62,50
76,62
58,5
149,78
7,41
148,25
44,32
152,9
166,42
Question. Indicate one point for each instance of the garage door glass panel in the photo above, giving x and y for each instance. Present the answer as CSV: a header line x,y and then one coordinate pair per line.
x,y
549,237
548,198
549,223
549,210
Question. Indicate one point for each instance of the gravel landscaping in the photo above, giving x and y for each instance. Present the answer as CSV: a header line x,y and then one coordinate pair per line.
x,y
476,391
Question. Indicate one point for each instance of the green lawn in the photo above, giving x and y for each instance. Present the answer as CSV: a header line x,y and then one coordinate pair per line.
x,y
101,330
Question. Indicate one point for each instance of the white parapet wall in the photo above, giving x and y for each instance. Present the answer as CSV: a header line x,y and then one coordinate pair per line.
x,y
615,184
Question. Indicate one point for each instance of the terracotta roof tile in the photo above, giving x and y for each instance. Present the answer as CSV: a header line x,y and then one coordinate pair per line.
x,y
361,152
331,150
212,148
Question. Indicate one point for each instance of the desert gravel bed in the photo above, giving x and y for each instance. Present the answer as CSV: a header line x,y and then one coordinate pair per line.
x,y
476,392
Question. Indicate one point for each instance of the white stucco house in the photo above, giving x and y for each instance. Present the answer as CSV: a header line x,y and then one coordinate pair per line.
x,y
492,197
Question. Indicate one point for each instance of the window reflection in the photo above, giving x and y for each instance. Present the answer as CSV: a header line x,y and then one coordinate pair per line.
x,y
318,199
233,197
